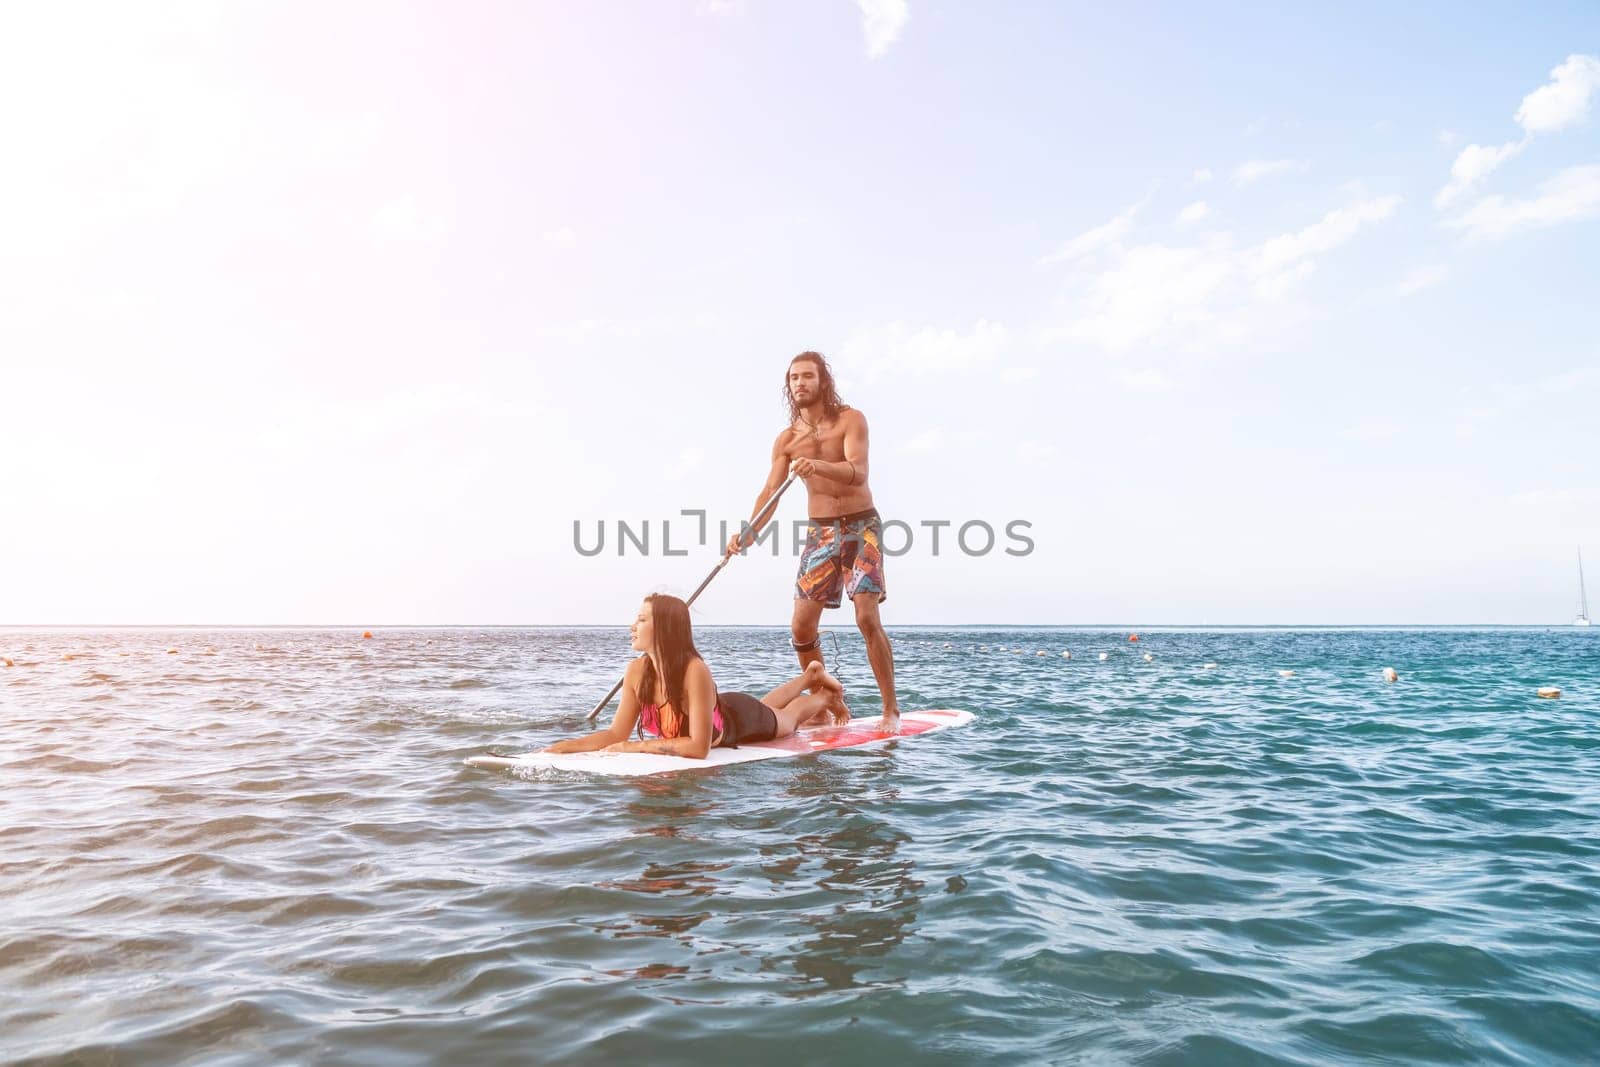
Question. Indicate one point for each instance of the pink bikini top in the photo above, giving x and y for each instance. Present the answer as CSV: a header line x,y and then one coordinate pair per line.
x,y
650,721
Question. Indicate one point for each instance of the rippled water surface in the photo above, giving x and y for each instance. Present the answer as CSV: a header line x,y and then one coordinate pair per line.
x,y
256,846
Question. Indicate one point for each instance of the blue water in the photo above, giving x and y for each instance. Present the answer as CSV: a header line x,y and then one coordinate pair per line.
x,y
263,847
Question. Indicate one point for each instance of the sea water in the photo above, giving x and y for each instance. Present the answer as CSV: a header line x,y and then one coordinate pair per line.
x,y
237,846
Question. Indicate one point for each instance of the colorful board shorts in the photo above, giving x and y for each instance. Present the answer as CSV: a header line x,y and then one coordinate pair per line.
x,y
843,555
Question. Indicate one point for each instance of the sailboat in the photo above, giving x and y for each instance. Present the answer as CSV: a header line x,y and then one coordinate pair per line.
x,y
1583,596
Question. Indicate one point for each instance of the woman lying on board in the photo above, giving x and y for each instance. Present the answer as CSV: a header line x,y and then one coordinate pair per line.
x,y
670,695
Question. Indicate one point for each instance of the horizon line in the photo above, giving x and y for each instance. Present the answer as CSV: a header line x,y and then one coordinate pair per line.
x,y
784,626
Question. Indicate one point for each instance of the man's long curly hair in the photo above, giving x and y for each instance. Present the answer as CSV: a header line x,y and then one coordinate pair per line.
x,y
831,404
674,642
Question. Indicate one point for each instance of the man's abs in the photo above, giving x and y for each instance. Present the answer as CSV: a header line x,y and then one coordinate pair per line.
x,y
821,503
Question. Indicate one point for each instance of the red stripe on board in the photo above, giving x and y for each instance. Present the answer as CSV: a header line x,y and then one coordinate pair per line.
x,y
824,738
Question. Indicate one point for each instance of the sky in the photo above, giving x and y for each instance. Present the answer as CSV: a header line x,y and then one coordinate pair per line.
x,y
1253,313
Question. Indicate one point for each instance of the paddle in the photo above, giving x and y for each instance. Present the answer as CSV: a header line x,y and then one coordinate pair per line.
x,y
762,514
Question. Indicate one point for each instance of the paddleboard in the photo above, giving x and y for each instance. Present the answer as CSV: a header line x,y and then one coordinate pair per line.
x,y
857,733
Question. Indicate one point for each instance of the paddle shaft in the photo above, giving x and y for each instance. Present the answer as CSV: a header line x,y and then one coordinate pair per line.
x,y
762,514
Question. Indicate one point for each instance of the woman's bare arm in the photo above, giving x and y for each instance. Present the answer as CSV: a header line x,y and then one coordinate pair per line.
x,y
700,693
621,723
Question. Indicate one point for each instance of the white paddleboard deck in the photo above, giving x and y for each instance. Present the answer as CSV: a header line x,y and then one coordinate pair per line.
x,y
858,733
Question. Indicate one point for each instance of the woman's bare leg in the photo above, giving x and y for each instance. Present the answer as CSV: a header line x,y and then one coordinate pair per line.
x,y
799,711
808,679
822,685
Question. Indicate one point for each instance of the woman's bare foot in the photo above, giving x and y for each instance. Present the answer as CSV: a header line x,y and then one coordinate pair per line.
x,y
818,680
812,677
838,710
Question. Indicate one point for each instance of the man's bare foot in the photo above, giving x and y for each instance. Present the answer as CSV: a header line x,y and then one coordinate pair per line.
x,y
890,723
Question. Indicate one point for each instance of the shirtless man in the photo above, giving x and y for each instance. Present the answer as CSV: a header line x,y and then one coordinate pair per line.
x,y
825,443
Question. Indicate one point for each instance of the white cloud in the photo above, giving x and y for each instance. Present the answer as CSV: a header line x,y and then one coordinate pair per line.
x,y
1475,163
1419,278
1152,291
1205,295
1193,213
1332,230
1447,138
1201,176
716,8
882,22
1103,236
1149,380
1573,195
1557,105
565,237
1564,100
1017,375
1254,170
895,348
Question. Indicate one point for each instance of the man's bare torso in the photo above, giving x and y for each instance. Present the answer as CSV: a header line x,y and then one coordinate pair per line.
x,y
828,497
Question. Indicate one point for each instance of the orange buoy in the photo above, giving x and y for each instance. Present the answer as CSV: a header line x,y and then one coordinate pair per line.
x,y
172,652
1133,637
366,634
9,663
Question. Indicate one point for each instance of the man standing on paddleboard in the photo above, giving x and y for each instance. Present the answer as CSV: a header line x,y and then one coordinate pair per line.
x,y
825,444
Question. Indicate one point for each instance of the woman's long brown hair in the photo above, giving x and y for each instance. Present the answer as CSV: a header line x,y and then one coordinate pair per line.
x,y
674,640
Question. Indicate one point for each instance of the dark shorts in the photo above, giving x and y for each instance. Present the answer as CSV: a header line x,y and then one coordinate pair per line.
x,y
843,557
746,720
